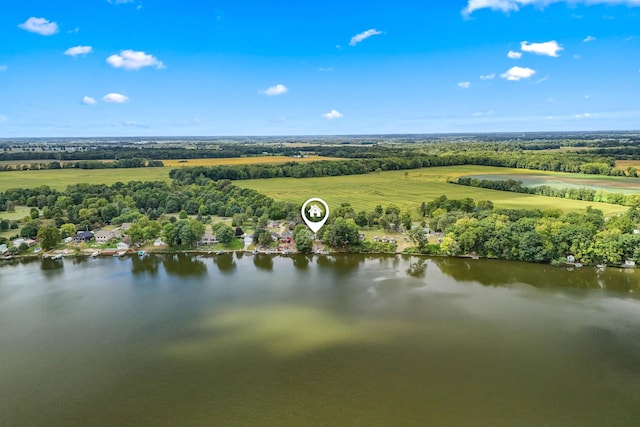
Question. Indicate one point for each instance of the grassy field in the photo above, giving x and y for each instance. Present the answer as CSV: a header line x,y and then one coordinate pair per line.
x,y
59,179
611,184
407,189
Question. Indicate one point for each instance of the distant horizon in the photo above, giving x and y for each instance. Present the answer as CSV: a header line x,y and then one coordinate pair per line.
x,y
307,136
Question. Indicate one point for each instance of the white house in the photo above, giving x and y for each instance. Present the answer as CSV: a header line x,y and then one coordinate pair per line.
x,y
208,239
3,249
104,236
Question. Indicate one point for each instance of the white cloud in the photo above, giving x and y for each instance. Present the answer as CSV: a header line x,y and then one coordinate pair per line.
x,y
488,76
464,85
333,114
589,39
115,98
4,67
40,26
324,69
514,55
75,30
518,73
515,5
278,89
87,100
121,1
550,48
363,35
134,60
78,50
584,116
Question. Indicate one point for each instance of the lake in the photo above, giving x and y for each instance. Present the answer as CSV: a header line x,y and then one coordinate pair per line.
x,y
348,340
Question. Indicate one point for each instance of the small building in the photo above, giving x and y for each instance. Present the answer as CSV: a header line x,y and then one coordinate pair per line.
x,y
629,264
375,239
571,259
18,242
286,237
84,236
125,226
392,240
30,242
361,237
68,239
3,249
384,239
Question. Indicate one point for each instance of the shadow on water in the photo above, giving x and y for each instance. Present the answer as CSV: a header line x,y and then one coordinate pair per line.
x,y
225,262
183,265
301,261
145,265
52,267
341,264
500,273
263,261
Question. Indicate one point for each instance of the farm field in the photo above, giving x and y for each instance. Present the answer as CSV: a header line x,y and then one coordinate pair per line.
x,y
611,184
59,179
624,164
364,192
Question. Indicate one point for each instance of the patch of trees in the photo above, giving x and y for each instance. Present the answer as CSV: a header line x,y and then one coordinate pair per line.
x,y
539,236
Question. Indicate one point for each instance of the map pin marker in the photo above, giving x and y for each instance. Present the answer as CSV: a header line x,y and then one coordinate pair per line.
x,y
315,213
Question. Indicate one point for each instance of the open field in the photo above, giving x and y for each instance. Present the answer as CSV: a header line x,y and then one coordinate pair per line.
x,y
59,179
364,192
611,184
624,164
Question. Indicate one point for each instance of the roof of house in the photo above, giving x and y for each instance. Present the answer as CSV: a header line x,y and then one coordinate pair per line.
x,y
84,234
103,233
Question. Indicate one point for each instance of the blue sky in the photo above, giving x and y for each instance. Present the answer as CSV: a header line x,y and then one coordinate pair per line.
x,y
195,67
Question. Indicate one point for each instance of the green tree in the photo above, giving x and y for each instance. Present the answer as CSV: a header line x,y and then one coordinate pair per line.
x,y
304,241
225,234
67,230
342,233
34,213
48,237
418,237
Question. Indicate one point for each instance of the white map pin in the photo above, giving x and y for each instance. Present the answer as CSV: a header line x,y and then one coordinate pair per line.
x,y
313,216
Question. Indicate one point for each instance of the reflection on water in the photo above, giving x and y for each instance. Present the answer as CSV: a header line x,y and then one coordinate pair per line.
x,y
183,265
225,262
317,340
263,261
146,264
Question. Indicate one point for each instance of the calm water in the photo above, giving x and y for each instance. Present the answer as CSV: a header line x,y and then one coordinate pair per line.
x,y
329,341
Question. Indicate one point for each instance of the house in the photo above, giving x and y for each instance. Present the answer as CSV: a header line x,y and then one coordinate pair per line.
x,y
68,239
103,236
392,240
208,239
375,239
384,239
84,236
361,237
125,226
286,238
18,242
30,242
3,249
315,211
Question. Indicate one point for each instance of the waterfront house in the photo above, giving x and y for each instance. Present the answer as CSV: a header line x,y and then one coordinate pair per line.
x,y
103,236
84,236
286,237
3,249
208,239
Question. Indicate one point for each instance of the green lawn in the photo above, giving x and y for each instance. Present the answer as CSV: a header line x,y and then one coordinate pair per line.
x,y
407,189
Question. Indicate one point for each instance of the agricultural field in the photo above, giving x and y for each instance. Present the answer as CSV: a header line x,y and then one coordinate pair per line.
x,y
59,179
407,189
611,184
624,164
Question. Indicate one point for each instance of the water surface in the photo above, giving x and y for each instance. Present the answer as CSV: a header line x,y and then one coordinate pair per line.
x,y
335,340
